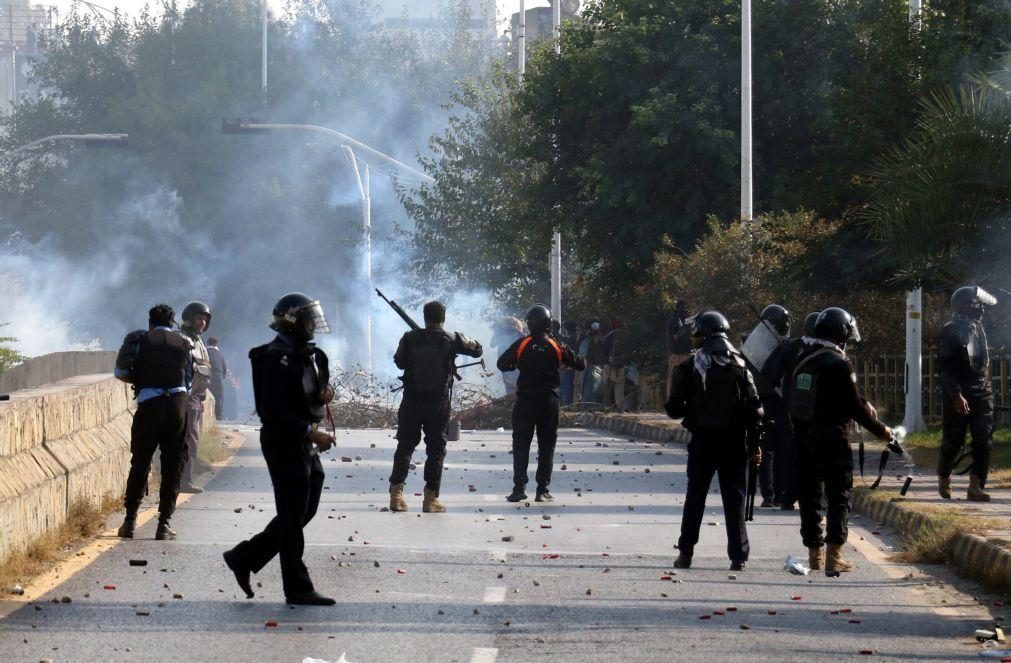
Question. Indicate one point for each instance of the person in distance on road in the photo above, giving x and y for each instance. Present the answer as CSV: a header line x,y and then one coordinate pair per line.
x,y
824,403
427,357
159,364
539,358
291,389
714,393
219,373
967,403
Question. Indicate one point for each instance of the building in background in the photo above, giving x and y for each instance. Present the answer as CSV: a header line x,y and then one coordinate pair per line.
x,y
21,27
538,25
427,15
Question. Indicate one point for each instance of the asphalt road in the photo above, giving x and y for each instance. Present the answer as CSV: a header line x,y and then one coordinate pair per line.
x,y
587,578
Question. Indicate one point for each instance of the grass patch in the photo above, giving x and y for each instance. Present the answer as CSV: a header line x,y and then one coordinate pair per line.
x,y
213,447
925,448
83,521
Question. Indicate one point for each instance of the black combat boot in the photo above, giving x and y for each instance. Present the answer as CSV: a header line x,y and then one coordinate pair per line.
x,y
683,561
309,598
241,573
544,496
518,494
129,524
164,532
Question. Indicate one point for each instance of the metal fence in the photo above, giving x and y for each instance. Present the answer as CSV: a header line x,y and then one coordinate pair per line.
x,y
882,380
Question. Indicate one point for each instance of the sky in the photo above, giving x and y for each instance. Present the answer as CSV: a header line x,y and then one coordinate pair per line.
x,y
505,7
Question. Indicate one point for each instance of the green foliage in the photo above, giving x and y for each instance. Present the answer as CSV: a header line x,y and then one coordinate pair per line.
x,y
9,356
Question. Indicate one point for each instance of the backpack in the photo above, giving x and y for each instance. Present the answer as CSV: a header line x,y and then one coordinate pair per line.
x,y
126,359
432,363
804,394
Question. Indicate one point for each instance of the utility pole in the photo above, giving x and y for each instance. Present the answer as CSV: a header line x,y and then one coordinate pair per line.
x,y
263,53
913,420
556,239
747,202
521,38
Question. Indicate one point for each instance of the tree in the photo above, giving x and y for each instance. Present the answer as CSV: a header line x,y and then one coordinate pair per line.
x,y
9,356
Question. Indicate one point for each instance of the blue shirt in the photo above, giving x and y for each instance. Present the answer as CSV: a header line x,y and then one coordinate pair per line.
x,y
148,393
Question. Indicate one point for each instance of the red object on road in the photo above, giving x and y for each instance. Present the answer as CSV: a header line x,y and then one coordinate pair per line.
x,y
109,587
401,571
795,598
551,556
270,624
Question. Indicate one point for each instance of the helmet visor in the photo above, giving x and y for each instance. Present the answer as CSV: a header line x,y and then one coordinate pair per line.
x,y
854,336
315,318
985,298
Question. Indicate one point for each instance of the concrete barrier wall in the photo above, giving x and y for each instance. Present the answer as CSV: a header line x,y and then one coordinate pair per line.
x,y
61,443
46,369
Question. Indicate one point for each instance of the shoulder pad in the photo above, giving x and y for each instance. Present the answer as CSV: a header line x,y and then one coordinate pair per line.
x,y
135,336
738,358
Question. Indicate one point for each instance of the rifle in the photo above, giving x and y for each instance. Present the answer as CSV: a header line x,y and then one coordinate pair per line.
x,y
749,499
415,326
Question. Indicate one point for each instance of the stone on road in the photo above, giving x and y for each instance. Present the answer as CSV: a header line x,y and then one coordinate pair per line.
x,y
489,580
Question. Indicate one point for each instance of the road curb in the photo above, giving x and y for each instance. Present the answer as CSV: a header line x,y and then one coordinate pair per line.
x,y
635,429
970,552
988,561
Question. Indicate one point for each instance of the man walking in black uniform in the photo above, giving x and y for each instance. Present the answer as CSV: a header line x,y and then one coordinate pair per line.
x,y
778,373
291,389
539,358
714,393
967,401
159,364
823,405
427,357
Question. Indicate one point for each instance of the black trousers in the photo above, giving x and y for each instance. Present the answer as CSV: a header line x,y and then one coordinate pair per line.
x,y
535,412
785,465
416,415
297,476
159,423
767,476
217,388
723,453
824,469
979,423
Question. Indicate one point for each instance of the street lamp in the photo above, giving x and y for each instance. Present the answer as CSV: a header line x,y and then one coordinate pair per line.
x,y
90,140
348,145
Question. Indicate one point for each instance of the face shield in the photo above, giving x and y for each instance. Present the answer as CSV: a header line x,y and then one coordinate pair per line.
x,y
985,298
314,319
854,336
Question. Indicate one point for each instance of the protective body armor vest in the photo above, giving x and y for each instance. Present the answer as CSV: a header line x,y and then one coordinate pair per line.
x,y
804,391
717,403
162,360
432,356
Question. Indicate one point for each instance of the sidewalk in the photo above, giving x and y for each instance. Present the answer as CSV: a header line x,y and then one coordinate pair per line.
x,y
985,556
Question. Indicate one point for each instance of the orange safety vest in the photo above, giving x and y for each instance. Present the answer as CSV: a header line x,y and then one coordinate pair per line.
x,y
525,342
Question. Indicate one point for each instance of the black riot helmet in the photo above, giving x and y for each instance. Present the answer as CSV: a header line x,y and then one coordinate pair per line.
x,y
778,317
838,326
968,301
192,310
538,319
299,317
809,322
710,324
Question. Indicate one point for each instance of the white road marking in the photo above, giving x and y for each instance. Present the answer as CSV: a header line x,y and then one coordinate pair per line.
x,y
484,655
494,594
492,498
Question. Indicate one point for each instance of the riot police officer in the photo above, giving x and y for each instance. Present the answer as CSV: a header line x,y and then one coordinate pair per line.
x,y
159,364
291,390
967,400
777,372
539,358
770,473
427,357
196,320
823,405
716,396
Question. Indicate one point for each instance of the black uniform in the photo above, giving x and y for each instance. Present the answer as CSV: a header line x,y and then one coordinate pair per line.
x,y
964,364
539,359
427,357
778,372
722,411
163,364
823,405
288,384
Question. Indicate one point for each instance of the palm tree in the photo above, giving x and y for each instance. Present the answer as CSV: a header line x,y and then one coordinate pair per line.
x,y
943,194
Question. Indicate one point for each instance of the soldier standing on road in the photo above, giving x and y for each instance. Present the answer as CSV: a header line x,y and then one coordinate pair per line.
x,y
778,318
539,358
714,393
823,406
778,372
219,373
159,364
196,320
616,367
427,357
967,402
291,389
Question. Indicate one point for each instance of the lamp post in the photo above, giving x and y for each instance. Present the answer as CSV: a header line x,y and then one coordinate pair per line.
x,y
348,145
94,140
747,202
